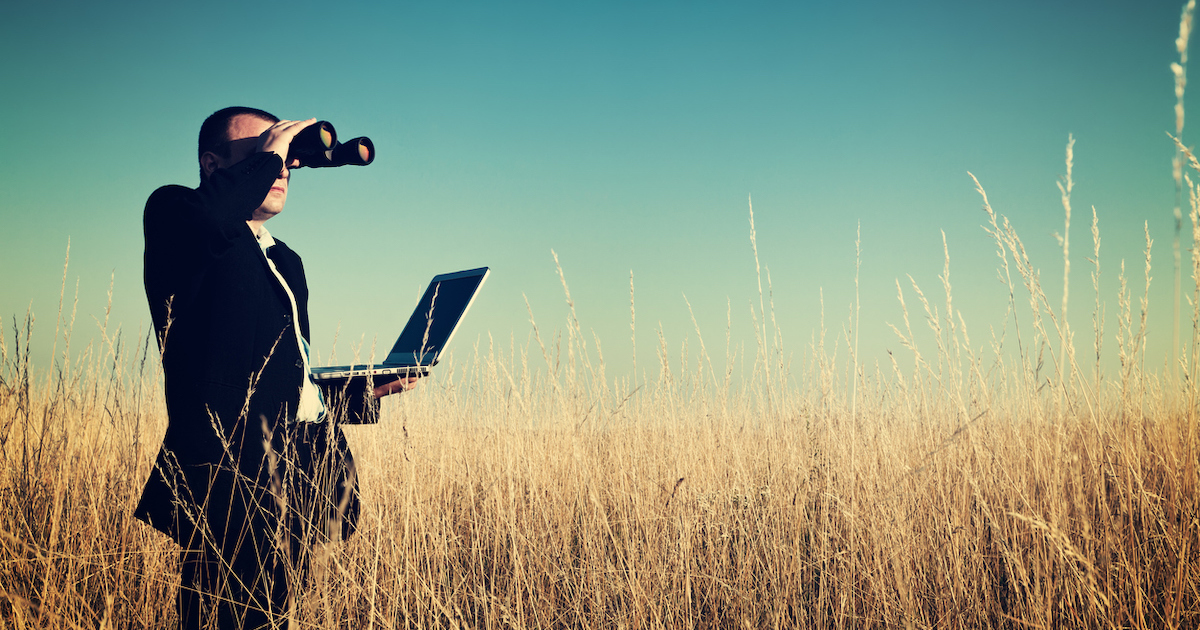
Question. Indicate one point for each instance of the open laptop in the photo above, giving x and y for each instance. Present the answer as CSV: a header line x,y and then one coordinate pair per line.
x,y
427,333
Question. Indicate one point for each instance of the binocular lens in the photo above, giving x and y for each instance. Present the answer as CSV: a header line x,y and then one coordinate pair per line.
x,y
317,147
316,138
359,152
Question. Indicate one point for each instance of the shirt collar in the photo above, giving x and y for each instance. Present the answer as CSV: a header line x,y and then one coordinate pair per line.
x,y
265,240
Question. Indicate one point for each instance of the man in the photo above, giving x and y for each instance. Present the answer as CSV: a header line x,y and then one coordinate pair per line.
x,y
253,470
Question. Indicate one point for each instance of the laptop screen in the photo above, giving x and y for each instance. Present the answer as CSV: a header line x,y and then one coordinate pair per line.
x,y
436,317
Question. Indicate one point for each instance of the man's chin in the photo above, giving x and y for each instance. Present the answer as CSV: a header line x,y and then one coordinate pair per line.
x,y
267,211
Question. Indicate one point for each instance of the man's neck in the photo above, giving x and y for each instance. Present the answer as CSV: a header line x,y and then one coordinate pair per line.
x,y
256,225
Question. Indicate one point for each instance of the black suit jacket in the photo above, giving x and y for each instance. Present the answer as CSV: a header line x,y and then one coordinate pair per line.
x,y
232,368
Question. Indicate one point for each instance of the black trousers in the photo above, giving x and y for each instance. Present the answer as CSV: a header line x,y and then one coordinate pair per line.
x,y
243,571
245,581
217,592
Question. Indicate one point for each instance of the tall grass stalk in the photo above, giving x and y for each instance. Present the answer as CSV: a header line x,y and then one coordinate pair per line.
x,y
1065,342
1179,70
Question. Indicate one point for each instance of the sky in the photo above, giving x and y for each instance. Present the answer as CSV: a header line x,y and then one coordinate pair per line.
x,y
629,138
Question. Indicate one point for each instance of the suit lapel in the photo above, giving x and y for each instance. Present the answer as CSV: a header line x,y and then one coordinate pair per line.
x,y
292,269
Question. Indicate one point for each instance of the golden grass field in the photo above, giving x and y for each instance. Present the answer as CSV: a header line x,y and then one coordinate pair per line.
x,y
1007,485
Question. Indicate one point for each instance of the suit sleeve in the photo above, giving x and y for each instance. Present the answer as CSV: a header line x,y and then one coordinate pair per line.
x,y
350,402
215,213
187,229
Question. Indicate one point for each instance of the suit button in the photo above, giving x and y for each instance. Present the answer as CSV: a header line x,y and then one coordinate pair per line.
x,y
300,363
287,317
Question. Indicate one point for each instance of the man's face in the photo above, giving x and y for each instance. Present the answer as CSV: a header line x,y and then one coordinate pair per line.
x,y
244,131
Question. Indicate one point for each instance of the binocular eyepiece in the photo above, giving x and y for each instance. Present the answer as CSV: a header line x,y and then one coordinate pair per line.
x,y
317,147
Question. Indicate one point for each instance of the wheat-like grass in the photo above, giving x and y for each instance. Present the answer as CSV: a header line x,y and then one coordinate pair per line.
x,y
511,494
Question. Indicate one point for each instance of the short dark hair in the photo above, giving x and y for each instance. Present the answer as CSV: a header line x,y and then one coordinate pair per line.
x,y
214,133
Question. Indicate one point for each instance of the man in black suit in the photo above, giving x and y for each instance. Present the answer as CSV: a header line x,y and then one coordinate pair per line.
x,y
253,469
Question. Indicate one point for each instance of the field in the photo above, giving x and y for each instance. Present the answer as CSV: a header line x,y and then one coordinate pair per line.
x,y
1012,484
520,491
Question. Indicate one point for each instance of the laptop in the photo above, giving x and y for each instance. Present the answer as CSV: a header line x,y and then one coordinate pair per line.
x,y
427,333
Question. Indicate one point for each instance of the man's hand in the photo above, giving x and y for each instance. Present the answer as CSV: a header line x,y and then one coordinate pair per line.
x,y
388,389
278,137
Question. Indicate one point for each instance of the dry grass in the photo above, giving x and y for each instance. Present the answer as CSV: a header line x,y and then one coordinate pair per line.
x,y
1006,489
1003,485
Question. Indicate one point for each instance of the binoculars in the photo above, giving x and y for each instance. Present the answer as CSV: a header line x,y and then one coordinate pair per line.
x,y
317,147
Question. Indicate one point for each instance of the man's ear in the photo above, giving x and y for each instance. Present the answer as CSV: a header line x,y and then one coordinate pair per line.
x,y
209,162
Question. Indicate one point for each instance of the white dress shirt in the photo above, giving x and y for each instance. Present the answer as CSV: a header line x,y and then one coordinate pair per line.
x,y
312,404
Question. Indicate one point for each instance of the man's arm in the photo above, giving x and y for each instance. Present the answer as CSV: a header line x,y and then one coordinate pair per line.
x,y
214,214
227,197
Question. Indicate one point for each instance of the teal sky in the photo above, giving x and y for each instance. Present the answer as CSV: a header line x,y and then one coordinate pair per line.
x,y
625,137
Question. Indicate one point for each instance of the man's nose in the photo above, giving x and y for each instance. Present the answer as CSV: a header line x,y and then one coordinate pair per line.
x,y
287,166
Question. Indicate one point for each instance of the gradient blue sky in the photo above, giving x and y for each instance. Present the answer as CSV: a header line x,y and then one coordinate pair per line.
x,y
624,136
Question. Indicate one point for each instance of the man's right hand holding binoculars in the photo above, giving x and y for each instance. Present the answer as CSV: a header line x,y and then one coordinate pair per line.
x,y
278,139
